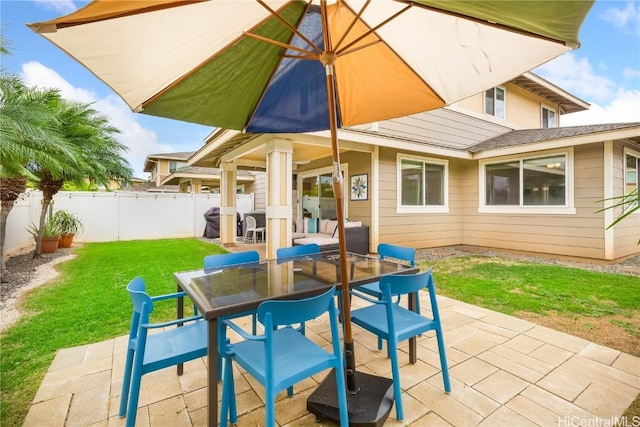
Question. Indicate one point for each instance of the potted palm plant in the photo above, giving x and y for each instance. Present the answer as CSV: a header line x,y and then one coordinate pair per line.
x,y
68,224
50,236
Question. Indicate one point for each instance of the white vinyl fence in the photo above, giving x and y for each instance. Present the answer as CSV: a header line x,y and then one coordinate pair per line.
x,y
111,216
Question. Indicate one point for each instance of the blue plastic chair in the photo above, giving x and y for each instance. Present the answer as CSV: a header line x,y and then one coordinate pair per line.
x,y
283,356
401,253
218,261
282,254
150,352
394,323
299,250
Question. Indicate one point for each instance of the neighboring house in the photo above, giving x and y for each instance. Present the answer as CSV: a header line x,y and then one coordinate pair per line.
x,y
171,173
492,170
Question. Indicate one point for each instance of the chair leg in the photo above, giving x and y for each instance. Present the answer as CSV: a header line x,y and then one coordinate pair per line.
x,y
126,383
228,409
395,374
342,398
270,407
443,361
134,393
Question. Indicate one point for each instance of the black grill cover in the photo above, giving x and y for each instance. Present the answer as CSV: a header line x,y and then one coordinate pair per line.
x,y
212,227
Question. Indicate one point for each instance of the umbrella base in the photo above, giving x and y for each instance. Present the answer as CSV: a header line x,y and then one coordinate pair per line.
x,y
369,407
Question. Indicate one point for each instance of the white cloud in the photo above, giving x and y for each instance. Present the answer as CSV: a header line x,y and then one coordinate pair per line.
x,y
610,102
624,18
577,76
631,73
140,141
61,6
624,108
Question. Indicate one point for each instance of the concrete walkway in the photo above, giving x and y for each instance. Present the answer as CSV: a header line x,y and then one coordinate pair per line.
x,y
504,372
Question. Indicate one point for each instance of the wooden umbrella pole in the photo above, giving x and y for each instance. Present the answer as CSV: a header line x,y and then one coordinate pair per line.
x,y
338,193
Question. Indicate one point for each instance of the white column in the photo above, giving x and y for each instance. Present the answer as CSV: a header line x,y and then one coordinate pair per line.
x,y
279,204
228,207
609,235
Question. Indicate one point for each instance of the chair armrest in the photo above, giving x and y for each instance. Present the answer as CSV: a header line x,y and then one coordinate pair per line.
x,y
170,322
168,296
242,332
364,296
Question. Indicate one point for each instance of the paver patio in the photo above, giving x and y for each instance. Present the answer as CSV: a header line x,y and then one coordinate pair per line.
x,y
504,371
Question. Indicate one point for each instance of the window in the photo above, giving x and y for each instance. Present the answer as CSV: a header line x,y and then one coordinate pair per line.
x,y
174,166
421,183
548,117
632,175
494,102
538,181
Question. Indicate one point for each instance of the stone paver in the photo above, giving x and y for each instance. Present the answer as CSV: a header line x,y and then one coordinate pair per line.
x,y
504,371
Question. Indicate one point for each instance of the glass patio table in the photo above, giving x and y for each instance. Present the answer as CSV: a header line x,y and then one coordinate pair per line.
x,y
240,289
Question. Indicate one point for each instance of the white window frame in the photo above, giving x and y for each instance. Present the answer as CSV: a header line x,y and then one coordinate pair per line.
x,y
484,102
567,209
636,154
544,107
444,208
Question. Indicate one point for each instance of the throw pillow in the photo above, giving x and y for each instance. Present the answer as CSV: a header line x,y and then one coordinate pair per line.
x,y
311,225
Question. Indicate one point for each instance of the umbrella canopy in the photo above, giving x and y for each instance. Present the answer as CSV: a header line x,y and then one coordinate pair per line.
x,y
207,62
287,66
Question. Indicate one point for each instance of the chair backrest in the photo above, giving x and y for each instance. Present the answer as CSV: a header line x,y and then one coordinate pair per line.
x,y
292,251
292,312
402,253
401,284
227,260
142,303
251,222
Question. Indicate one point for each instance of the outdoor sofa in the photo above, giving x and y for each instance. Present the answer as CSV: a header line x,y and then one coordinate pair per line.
x,y
324,232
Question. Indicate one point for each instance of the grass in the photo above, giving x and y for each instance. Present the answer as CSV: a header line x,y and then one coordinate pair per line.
x,y
510,287
87,303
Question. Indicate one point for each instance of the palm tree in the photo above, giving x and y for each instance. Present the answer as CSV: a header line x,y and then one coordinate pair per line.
x,y
28,131
95,155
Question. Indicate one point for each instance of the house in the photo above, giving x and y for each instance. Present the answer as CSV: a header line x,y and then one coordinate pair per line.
x,y
170,172
492,170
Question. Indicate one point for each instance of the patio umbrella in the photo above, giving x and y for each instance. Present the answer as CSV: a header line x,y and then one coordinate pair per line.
x,y
290,66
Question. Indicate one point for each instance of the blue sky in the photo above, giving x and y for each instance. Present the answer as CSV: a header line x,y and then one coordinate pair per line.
x,y
604,71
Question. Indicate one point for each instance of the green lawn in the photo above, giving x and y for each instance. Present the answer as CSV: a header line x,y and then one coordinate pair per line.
x,y
511,286
88,303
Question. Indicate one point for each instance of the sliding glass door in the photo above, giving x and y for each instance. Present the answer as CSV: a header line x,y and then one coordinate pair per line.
x,y
317,197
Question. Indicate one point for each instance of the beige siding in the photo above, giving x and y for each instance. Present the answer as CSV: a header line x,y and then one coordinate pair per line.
x,y
579,234
259,189
359,163
523,108
415,230
627,232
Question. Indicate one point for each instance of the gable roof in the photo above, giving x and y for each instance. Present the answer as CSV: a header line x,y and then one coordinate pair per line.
x,y
180,156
